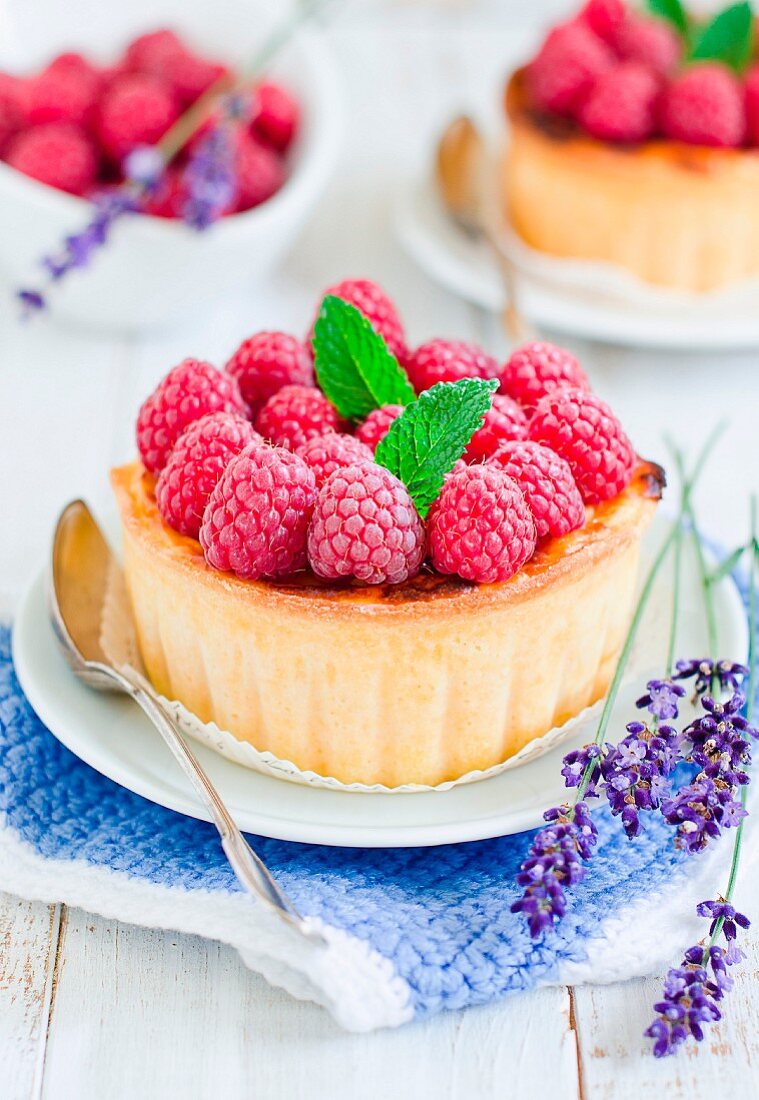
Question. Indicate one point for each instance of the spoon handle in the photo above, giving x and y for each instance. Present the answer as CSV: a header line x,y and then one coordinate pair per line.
x,y
250,870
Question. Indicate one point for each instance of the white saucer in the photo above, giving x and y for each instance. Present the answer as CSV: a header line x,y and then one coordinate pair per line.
x,y
595,301
112,735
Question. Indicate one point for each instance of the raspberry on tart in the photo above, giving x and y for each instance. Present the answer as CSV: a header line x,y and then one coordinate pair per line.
x,y
334,451
480,526
197,461
295,414
583,430
266,362
188,392
538,368
447,361
371,300
257,516
377,424
504,420
547,484
365,526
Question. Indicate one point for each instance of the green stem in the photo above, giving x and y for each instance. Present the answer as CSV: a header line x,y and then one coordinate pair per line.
x,y
675,596
177,136
690,516
750,694
674,536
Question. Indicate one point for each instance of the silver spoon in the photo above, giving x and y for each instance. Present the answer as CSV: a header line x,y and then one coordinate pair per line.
x,y
82,568
462,169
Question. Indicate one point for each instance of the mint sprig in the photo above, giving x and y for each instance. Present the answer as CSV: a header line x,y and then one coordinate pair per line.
x,y
671,10
355,369
429,437
729,38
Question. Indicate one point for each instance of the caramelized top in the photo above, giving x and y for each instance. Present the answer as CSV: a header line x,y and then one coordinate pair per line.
x,y
609,524
700,159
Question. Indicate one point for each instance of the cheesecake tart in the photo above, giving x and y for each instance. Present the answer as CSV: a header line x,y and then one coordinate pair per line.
x,y
420,682
386,573
626,149
680,216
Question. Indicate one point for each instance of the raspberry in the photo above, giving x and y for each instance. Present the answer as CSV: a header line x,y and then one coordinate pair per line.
x,y
547,485
535,369
260,172
276,116
448,361
256,520
188,392
170,197
480,526
296,414
189,76
14,94
334,451
365,525
570,61
582,429
63,92
151,52
377,424
266,362
58,154
197,461
604,17
623,104
504,420
375,305
752,105
704,106
136,110
652,42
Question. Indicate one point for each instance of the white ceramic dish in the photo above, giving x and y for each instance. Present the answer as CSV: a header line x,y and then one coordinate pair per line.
x,y
152,271
596,301
112,735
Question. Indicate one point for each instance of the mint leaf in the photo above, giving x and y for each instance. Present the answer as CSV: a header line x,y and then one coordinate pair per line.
x,y
728,38
427,439
354,366
672,11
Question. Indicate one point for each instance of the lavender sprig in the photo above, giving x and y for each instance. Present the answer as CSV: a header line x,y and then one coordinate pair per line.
x,y
210,178
690,993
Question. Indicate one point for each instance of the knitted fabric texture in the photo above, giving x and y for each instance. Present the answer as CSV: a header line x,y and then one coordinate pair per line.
x,y
412,930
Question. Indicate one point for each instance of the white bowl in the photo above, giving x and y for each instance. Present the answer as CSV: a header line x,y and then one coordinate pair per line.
x,y
153,271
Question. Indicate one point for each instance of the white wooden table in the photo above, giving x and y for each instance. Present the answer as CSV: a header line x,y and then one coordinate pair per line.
x,y
94,1008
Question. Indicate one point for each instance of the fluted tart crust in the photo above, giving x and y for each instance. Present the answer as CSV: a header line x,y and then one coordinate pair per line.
x,y
416,683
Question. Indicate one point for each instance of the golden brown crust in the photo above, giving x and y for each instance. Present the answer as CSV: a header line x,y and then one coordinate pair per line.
x,y
608,528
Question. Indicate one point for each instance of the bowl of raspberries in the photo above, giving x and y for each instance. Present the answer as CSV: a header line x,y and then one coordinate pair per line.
x,y
69,119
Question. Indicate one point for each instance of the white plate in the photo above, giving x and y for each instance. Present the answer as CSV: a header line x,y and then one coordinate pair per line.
x,y
113,736
596,301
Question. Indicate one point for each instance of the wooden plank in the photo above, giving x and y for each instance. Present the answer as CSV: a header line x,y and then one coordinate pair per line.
x,y
28,938
617,1059
174,1015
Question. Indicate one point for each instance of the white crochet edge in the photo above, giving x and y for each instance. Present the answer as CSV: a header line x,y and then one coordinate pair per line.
x,y
653,932
356,984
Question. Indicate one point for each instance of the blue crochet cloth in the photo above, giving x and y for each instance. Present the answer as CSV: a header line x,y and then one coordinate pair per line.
x,y
439,915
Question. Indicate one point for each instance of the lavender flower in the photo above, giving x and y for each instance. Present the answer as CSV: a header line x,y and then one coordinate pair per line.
x,y
692,990
575,765
210,178
717,743
555,860
79,247
729,674
636,772
661,698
